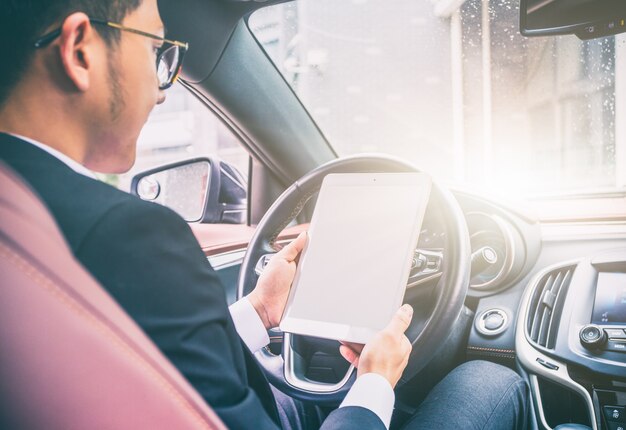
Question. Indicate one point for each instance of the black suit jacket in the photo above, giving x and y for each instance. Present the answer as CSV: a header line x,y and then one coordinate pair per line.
x,y
147,258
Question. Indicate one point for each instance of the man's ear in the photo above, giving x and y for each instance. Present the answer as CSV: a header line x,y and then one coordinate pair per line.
x,y
77,45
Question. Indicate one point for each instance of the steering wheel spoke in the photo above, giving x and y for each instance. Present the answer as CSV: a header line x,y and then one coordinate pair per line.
x,y
262,263
295,372
427,265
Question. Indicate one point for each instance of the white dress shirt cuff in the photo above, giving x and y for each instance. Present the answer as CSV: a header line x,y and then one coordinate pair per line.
x,y
249,325
373,392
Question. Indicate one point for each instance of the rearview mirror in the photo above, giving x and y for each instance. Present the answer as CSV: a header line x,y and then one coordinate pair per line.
x,y
199,190
587,19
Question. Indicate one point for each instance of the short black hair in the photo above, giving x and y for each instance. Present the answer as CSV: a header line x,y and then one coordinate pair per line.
x,y
22,22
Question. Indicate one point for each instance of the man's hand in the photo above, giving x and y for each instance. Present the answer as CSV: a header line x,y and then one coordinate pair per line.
x,y
387,353
272,289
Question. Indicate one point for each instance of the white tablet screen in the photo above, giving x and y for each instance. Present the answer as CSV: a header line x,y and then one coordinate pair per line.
x,y
354,269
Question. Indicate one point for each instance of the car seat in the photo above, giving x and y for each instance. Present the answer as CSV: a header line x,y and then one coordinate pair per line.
x,y
70,358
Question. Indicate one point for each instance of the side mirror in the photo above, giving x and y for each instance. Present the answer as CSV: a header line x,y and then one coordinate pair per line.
x,y
587,19
202,190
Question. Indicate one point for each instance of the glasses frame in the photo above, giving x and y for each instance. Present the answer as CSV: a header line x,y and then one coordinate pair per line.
x,y
47,38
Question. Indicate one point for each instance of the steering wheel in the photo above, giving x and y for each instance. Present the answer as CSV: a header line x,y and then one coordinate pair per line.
x,y
287,371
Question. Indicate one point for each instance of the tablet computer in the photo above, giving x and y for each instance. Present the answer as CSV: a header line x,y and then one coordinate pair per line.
x,y
353,271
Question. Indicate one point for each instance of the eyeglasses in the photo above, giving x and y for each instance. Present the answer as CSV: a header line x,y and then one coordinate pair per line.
x,y
169,61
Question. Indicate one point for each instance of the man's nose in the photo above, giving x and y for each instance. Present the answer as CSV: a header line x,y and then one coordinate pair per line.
x,y
161,97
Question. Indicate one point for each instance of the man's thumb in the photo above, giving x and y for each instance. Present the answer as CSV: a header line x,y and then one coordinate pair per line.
x,y
401,320
291,251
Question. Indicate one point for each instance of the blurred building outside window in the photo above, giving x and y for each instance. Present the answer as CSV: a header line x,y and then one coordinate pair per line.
x,y
453,87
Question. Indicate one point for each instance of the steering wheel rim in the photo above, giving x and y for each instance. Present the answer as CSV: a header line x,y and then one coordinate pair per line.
x,y
452,284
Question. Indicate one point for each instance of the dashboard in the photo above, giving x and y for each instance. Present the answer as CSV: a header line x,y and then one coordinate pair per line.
x,y
535,287
571,330
553,302
502,243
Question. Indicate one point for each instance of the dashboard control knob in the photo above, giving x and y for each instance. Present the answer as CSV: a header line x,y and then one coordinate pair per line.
x,y
492,322
483,258
592,336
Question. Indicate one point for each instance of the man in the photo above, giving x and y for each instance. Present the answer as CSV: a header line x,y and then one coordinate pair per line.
x,y
77,83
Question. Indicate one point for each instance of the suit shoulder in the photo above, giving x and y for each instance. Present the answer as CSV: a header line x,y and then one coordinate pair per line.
x,y
103,199
141,211
128,218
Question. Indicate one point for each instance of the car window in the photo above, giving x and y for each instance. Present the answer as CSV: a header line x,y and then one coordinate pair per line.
x,y
454,88
183,128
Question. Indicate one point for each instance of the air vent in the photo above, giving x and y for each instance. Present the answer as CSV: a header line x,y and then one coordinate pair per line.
x,y
546,305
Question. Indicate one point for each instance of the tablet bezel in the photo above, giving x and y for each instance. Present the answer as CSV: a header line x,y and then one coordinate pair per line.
x,y
421,184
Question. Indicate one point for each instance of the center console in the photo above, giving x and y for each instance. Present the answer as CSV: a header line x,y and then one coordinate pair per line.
x,y
571,333
608,329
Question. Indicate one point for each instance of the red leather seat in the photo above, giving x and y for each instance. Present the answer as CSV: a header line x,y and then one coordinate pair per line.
x,y
70,358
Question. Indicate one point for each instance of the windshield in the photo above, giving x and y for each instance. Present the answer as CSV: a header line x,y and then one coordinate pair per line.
x,y
454,88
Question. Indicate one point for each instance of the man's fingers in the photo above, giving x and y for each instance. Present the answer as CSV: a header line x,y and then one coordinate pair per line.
x,y
401,320
356,347
291,250
350,356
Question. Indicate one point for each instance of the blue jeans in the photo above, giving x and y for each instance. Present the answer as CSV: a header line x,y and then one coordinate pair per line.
x,y
476,395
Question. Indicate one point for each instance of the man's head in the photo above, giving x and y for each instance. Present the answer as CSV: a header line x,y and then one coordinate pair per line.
x,y
89,89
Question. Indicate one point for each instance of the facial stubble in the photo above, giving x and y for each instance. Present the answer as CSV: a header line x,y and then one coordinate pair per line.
x,y
116,99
